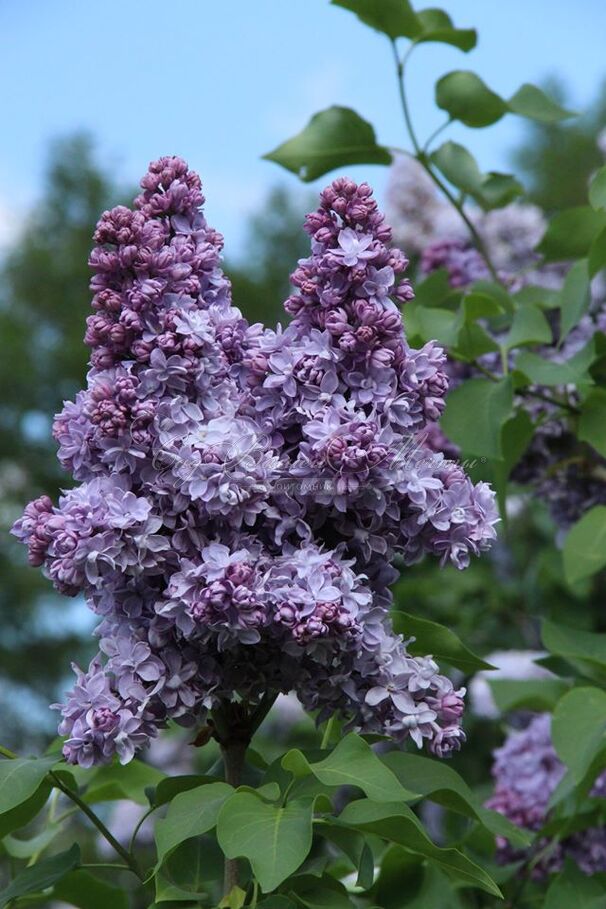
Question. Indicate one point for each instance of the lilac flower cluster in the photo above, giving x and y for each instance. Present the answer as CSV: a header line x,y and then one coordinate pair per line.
x,y
527,771
244,491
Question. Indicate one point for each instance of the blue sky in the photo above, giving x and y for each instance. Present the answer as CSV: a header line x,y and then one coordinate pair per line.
x,y
221,83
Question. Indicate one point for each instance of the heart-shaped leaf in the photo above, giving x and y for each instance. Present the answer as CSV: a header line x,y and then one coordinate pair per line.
x,y
336,137
275,840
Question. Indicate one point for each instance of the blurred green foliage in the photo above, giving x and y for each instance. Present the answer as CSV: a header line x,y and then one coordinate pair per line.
x,y
555,161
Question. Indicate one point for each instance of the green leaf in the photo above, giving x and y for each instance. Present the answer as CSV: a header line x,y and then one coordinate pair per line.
x,y
23,849
573,888
235,899
431,323
441,642
498,190
20,778
81,889
434,289
394,18
549,372
465,97
351,763
544,297
277,901
128,781
574,297
42,875
592,422
584,650
585,545
475,413
185,902
436,780
435,892
530,101
495,292
472,342
578,729
336,137
22,814
477,305
458,166
276,841
570,233
168,788
187,871
461,169
516,435
353,845
316,892
190,813
527,694
597,189
398,824
597,254
366,868
437,26
529,326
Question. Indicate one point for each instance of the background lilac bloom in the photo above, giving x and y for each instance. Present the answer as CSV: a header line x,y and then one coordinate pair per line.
x,y
526,771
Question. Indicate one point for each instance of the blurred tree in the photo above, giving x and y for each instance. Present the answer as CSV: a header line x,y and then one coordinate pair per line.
x,y
558,159
44,300
274,243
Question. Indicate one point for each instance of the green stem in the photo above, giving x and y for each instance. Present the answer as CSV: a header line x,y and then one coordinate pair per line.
x,y
139,824
421,157
400,69
233,760
234,724
527,392
436,133
288,791
530,393
98,823
87,810
259,714
65,814
8,754
100,865
328,732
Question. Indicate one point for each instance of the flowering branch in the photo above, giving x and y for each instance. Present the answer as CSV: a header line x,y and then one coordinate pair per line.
x,y
421,157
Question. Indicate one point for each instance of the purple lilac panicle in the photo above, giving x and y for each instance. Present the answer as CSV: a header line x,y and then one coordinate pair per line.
x,y
243,491
526,771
